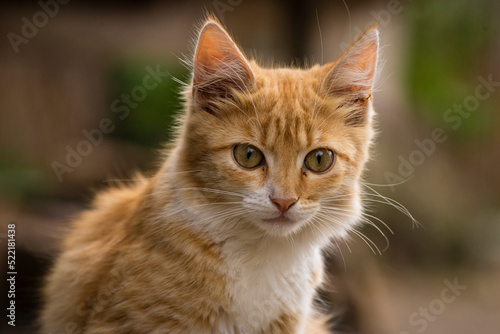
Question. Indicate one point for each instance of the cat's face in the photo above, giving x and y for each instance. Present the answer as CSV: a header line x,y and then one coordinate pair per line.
x,y
281,149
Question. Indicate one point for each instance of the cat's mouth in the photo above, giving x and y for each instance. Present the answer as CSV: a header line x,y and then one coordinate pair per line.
x,y
280,220
280,225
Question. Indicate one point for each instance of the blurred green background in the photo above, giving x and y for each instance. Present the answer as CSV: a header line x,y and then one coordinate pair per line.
x,y
66,78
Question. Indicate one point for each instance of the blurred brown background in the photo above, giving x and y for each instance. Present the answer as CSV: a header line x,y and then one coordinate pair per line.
x,y
63,67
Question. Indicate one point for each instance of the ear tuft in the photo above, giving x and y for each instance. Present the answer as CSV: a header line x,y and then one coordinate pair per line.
x,y
219,67
354,72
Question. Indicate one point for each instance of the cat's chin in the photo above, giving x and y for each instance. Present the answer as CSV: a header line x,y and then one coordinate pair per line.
x,y
280,226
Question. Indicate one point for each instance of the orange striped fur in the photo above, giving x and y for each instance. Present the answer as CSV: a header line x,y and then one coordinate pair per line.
x,y
206,245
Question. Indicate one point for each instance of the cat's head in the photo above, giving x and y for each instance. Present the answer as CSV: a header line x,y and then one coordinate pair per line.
x,y
282,149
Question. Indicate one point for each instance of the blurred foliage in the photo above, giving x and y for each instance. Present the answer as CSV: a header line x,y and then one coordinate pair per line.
x,y
19,178
147,124
444,44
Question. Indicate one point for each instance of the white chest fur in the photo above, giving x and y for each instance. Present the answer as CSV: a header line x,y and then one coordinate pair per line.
x,y
269,279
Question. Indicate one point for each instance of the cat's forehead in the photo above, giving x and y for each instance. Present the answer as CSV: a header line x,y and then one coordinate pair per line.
x,y
289,83
284,113
289,107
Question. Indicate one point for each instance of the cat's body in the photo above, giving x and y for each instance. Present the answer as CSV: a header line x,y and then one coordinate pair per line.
x,y
172,281
227,236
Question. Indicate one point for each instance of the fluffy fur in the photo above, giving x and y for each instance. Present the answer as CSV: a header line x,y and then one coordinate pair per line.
x,y
203,246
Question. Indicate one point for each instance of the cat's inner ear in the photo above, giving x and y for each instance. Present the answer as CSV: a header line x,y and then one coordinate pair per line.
x,y
352,75
219,68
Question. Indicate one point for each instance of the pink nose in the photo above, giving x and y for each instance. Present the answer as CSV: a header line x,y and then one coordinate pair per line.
x,y
284,204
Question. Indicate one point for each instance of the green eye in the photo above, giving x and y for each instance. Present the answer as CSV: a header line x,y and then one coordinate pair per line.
x,y
248,156
319,160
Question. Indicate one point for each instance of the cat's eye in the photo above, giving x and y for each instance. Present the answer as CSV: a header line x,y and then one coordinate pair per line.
x,y
248,156
319,160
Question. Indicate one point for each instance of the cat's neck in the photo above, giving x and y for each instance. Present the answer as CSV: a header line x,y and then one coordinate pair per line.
x,y
270,277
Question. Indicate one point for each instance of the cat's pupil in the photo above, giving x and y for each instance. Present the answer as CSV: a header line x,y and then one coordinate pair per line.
x,y
319,155
249,153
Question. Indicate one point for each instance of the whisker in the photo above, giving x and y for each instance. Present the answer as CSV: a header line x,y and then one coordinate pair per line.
x,y
387,184
366,240
212,190
345,213
380,220
369,222
347,245
398,206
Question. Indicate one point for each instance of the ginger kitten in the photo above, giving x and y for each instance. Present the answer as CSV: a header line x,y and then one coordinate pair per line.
x,y
227,236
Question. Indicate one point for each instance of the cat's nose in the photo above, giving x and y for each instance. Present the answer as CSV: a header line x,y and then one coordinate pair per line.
x,y
284,204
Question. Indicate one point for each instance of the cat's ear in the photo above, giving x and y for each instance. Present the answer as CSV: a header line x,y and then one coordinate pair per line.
x,y
219,67
352,75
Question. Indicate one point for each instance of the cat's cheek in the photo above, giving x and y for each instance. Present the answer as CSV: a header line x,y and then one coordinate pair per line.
x,y
319,186
239,178
242,182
